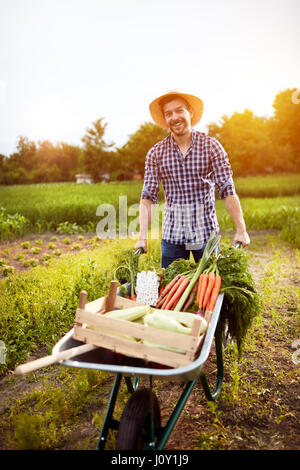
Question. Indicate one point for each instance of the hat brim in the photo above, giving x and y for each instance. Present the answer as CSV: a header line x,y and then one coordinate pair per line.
x,y
195,102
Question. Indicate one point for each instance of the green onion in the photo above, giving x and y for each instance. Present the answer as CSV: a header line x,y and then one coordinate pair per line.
x,y
210,246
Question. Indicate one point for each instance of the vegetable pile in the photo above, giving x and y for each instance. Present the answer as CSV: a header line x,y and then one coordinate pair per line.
x,y
196,288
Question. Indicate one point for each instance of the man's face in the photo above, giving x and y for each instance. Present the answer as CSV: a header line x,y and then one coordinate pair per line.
x,y
178,117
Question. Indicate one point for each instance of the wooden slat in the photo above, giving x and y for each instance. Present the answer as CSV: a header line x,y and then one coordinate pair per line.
x,y
168,338
130,348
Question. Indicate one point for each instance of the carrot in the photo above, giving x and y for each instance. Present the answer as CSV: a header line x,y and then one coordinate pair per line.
x,y
173,290
199,288
202,291
159,302
163,291
190,299
214,293
174,298
210,285
170,285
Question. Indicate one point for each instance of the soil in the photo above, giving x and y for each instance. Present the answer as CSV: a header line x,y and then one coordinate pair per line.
x,y
256,410
49,244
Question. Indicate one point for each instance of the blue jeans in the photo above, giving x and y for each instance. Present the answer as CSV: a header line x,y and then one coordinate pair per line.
x,y
171,251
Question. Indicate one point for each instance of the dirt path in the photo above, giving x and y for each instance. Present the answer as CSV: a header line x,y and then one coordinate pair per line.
x,y
259,404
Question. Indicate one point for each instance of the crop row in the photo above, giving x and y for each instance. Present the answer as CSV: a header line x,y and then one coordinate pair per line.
x,y
260,214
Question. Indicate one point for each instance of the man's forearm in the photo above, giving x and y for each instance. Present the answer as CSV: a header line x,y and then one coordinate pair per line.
x,y
146,212
234,208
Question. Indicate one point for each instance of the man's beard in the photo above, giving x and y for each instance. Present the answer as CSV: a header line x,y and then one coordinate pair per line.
x,y
180,129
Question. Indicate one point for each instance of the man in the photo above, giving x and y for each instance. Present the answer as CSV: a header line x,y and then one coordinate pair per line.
x,y
190,165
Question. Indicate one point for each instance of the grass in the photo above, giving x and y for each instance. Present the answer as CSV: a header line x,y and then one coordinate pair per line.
x,y
47,424
268,186
52,204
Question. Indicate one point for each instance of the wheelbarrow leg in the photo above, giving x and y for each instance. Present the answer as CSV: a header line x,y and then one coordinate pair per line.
x,y
108,420
211,396
131,387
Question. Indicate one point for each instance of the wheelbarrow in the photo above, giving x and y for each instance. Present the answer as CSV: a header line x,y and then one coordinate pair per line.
x,y
139,427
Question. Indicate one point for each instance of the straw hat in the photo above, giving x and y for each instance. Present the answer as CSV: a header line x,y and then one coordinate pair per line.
x,y
195,102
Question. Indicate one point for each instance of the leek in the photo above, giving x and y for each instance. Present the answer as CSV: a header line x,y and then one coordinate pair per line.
x,y
210,246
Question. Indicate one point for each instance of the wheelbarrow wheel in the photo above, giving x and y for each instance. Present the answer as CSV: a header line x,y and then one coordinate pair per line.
x,y
135,426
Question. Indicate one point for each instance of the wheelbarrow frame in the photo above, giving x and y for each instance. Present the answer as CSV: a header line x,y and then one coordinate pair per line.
x,y
163,433
189,374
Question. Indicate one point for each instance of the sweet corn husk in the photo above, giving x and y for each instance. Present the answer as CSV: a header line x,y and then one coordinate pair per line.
x,y
187,319
130,314
163,346
164,322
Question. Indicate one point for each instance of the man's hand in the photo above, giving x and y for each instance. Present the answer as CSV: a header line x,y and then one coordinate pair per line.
x,y
146,212
141,243
234,208
243,237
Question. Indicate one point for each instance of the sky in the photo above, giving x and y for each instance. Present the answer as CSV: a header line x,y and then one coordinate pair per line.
x,y
66,63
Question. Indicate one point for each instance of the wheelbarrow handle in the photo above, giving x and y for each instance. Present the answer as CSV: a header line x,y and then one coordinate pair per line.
x,y
238,245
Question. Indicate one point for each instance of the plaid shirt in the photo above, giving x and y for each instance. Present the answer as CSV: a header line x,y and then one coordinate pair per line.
x,y
189,184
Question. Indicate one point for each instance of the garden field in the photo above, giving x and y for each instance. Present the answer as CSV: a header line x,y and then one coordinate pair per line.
x,y
68,207
47,259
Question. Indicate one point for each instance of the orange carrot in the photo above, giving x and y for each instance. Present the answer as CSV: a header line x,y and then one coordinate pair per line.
x,y
210,285
199,288
181,288
163,291
173,290
170,285
159,302
214,293
202,291
190,299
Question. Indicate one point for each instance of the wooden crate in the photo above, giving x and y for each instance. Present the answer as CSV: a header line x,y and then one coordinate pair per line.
x,y
88,316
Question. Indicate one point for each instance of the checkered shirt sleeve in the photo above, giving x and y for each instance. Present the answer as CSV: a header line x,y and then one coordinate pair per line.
x,y
222,169
151,177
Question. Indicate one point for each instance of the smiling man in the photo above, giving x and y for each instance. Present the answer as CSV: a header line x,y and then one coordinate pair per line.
x,y
190,165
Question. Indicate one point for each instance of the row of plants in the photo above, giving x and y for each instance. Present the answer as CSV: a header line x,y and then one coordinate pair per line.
x,y
46,206
16,225
260,214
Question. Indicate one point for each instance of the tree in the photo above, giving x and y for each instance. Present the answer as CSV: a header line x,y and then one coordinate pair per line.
x,y
246,139
284,129
21,165
96,150
133,153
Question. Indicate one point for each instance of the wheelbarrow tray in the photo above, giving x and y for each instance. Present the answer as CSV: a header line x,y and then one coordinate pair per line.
x,y
107,360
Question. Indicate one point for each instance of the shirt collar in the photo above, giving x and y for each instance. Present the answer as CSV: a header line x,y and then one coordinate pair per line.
x,y
173,142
